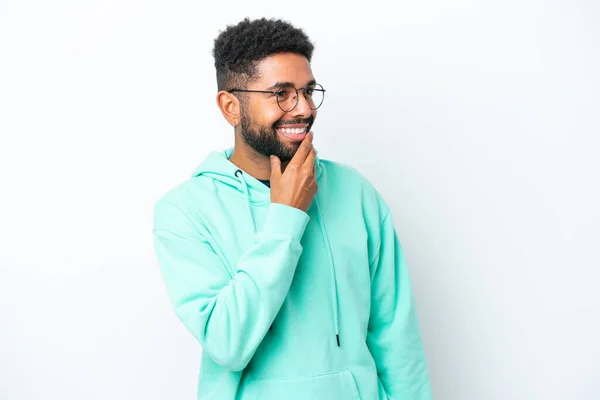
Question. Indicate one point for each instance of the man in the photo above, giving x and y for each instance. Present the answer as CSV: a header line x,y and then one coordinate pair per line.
x,y
286,267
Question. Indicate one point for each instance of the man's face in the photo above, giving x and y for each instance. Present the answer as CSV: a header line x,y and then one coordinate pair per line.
x,y
264,126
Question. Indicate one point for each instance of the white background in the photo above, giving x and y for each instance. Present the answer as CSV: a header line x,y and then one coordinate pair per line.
x,y
477,121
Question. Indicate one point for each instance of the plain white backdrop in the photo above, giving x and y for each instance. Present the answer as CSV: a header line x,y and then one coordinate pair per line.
x,y
477,121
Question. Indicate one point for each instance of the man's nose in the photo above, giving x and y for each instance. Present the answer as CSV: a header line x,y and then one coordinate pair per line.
x,y
303,107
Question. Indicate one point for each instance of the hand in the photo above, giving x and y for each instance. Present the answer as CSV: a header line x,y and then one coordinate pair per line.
x,y
297,186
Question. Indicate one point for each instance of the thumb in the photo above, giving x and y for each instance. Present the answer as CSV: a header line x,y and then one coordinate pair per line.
x,y
275,167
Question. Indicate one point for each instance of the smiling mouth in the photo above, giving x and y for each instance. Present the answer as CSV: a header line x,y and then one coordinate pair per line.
x,y
292,131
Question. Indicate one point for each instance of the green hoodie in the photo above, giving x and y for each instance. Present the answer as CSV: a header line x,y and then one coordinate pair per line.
x,y
288,304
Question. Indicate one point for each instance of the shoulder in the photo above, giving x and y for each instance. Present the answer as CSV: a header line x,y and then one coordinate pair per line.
x,y
345,173
174,205
347,179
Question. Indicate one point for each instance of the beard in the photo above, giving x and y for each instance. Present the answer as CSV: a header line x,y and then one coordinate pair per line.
x,y
265,140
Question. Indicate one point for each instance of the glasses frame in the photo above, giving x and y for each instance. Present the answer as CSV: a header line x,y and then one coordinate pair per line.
x,y
318,87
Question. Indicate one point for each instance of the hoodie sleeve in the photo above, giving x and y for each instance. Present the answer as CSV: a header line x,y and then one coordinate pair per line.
x,y
393,335
228,315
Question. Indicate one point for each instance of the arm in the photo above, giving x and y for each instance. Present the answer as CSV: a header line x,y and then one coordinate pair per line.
x,y
228,315
393,336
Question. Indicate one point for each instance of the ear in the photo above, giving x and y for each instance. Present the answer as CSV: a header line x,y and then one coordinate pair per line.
x,y
229,106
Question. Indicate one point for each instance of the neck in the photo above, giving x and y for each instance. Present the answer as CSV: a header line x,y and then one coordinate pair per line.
x,y
253,163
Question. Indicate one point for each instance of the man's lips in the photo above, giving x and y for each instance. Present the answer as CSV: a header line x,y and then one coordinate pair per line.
x,y
293,132
292,126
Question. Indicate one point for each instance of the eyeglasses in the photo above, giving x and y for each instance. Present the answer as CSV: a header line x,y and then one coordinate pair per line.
x,y
287,96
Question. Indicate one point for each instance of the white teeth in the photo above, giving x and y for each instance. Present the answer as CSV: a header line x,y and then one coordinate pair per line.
x,y
293,131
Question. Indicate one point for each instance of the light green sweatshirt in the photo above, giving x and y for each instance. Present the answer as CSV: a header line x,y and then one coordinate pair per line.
x,y
287,304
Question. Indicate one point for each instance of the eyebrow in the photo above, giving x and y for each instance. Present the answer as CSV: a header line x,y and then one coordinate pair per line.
x,y
277,85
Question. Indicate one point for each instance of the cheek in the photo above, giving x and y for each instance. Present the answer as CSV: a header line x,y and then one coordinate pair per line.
x,y
267,119
264,115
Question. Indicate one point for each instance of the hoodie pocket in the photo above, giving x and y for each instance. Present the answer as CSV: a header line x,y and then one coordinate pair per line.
x,y
329,386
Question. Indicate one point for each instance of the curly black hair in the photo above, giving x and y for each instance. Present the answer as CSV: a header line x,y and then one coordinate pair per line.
x,y
240,47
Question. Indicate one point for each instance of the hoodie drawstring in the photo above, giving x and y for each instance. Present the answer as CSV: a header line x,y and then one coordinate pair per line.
x,y
336,326
327,246
247,196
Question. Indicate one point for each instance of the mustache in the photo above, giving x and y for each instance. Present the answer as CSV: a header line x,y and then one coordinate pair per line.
x,y
308,121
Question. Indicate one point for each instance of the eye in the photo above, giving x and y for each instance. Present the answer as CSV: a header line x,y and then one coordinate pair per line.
x,y
309,91
281,93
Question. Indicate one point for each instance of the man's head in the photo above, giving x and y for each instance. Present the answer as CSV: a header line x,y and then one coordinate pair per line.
x,y
271,56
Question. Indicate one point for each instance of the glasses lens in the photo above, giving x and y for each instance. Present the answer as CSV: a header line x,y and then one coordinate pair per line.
x,y
287,97
314,95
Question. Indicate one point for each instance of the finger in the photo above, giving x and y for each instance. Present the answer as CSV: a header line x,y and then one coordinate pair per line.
x,y
303,150
310,159
275,167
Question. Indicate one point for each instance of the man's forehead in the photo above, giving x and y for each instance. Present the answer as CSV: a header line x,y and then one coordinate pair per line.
x,y
285,68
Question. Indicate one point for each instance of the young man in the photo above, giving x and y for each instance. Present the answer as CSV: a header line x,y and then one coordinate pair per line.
x,y
285,267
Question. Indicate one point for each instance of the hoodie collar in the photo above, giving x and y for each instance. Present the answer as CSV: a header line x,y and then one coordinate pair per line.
x,y
217,166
